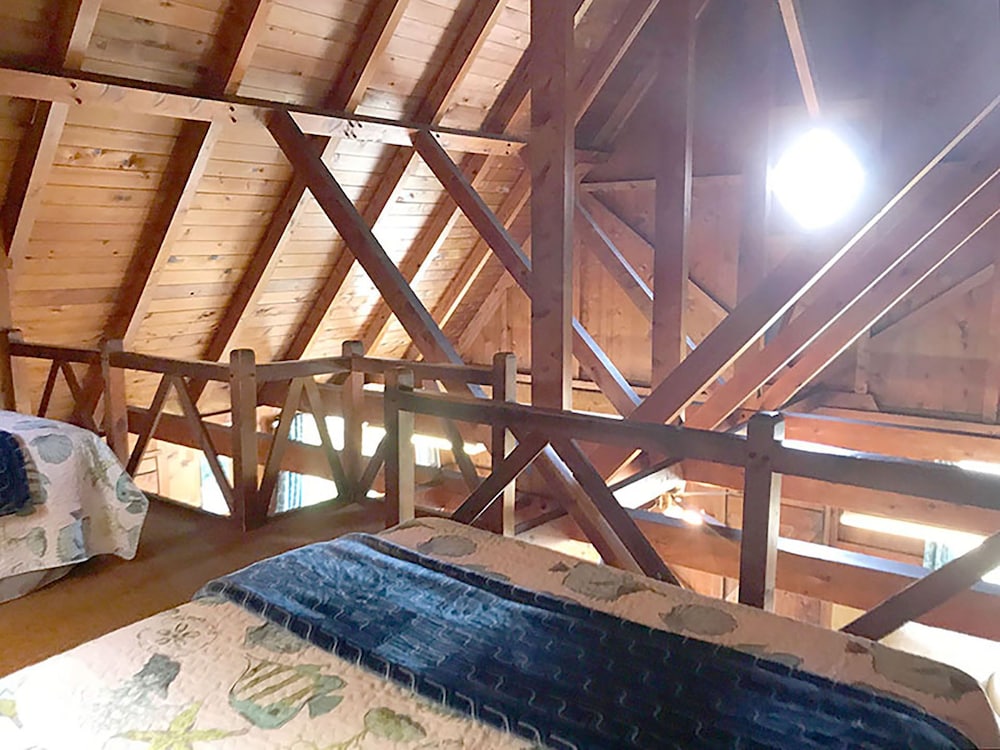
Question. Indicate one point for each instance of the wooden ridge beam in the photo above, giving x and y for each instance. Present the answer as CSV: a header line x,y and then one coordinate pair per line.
x,y
37,152
379,27
585,349
785,285
458,62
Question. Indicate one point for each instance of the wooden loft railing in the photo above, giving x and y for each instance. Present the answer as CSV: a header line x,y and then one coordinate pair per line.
x,y
257,458
892,593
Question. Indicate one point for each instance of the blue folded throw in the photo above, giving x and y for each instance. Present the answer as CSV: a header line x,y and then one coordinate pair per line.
x,y
554,671
15,493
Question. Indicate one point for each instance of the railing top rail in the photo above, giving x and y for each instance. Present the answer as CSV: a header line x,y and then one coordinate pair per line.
x,y
188,368
425,370
269,372
54,352
934,481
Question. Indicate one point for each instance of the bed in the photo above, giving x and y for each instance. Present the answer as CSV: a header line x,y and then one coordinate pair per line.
x,y
81,503
214,674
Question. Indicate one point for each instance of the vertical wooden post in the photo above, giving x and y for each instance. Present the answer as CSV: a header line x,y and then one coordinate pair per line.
x,y
674,89
249,510
7,383
352,407
400,477
499,517
760,27
115,405
552,184
761,511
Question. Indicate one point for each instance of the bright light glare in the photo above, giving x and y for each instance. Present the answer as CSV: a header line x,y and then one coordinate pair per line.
x,y
692,517
818,179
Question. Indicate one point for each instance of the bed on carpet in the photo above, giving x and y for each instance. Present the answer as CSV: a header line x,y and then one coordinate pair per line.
x,y
64,498
436,635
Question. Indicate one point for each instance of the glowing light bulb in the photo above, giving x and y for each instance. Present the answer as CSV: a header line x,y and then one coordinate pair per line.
x,y
818,179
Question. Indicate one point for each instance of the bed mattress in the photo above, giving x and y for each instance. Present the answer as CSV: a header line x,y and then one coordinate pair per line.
x,y
84,504
211,675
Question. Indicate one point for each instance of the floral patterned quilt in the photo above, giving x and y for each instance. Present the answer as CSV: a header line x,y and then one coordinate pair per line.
x,y
210,675
84,504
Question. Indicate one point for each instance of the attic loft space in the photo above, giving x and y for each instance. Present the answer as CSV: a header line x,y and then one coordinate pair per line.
x,y
703,291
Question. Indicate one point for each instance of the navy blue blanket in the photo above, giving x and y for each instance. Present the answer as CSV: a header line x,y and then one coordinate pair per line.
x,y
553,671
15,493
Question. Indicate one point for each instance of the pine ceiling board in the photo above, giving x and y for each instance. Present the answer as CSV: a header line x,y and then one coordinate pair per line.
x,y
302,50
47,251
100,214
25,28
65,195
214,248
86,177
152,41
412,57
490,70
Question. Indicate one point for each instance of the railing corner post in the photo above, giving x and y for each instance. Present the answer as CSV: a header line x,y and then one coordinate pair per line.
x,y
761,511
115,403
400,475
352,407
499,517
250,510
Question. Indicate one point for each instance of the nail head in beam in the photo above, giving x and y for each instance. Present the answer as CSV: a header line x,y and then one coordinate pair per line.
x,y
400,479
761,511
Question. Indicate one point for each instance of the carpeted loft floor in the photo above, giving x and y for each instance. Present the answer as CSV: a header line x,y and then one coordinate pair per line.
x,y
179,551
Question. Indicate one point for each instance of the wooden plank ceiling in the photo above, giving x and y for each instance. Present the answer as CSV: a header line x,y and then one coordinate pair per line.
x,y
192,238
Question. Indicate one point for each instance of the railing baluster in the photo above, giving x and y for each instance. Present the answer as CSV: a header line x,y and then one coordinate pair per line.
x,y
761,511
499,516
50,384
400,478
115,404
352,408
249,508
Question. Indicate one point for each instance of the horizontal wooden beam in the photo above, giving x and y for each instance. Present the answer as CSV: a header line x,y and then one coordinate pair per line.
x,y
875,502
814,570
125,95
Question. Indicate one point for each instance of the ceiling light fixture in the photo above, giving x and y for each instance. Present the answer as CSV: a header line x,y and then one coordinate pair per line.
x,y
818,179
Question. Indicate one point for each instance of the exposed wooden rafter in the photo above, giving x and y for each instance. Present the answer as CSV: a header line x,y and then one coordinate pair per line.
x,y
611,381
457,64
791,16
346,94
433,344
748,321
241,30
37,152
587,89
